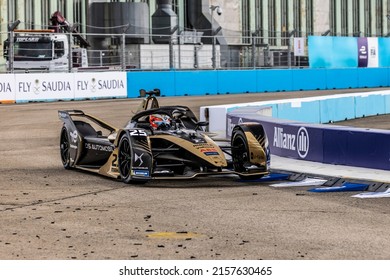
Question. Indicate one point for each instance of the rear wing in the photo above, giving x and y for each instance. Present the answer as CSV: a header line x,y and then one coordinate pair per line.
x,y
66,117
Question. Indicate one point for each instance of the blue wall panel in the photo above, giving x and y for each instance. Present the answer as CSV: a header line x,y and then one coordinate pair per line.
x,y
274,80
337,109
308,79
386,99
373,77
303,112
179,83
150,80
384,54
196,82
341,78
369,105
237,81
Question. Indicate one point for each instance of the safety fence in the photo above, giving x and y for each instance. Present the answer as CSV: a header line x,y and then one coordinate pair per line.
x,y
47,52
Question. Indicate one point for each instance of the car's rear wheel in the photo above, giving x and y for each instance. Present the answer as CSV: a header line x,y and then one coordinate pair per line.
x,y
64,148
240,155
125,160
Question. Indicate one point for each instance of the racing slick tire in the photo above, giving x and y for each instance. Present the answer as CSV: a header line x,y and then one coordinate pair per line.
x,y
240,154
64,148
125,160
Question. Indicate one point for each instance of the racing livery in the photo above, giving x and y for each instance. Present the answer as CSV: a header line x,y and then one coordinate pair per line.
x,y
160,142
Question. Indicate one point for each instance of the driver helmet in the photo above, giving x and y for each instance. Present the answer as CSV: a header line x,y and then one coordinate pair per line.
x,y
160,122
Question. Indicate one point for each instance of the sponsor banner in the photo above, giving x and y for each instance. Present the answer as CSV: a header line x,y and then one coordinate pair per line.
x,y
368,52
98,85
373,52
363,52
7,88
299,46
50,86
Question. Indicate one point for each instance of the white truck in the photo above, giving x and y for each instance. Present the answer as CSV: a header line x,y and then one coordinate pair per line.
x,y
46,50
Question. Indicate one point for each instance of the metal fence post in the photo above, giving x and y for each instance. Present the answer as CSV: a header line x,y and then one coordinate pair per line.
x,y
253,51
11,28
70,61
123,52
290,35
11,52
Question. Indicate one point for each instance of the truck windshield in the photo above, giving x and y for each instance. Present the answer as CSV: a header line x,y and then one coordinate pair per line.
x,y
33,51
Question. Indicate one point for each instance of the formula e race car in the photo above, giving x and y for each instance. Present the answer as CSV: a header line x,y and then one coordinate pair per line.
x,y
166,142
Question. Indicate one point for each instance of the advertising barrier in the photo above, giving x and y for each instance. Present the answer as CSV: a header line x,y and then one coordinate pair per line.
x,y
62,86
7,88
48,86
322,143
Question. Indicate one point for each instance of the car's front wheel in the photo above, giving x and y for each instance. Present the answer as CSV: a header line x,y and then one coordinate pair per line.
x,y
240,155
125,161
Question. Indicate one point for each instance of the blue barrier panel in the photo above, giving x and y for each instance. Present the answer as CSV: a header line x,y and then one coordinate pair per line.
x,y
341,78
196,82
150,80
320,51
179,83
384,54
370,150
309,79
357,147
300,111
369,105
335,146
387,104
333,52
373,77
344,52
274,80
237,81
337,109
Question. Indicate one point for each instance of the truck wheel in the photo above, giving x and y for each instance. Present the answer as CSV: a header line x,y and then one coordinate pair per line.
x,y
64,148
240,155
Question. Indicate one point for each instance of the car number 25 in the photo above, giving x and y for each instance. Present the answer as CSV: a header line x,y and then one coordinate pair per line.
x,y
137,132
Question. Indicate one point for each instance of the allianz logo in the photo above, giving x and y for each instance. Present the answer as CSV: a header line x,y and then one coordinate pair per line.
x,y
294,142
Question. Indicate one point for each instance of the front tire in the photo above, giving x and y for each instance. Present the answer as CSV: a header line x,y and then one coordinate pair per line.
x,y
65,148
240,155
125,161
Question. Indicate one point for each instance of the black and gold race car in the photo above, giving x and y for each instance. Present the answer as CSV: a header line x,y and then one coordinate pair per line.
x,y
160,142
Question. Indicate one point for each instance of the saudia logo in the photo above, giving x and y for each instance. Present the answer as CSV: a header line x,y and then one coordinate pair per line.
x,y
299,142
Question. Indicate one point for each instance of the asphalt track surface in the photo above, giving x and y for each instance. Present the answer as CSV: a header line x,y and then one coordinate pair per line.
x,y
47,212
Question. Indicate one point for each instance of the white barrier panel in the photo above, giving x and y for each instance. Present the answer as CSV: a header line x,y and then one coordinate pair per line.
x,y
7,88
42,87
99,85
62,86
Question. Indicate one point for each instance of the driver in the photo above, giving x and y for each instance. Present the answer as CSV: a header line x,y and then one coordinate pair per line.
x,y
160,122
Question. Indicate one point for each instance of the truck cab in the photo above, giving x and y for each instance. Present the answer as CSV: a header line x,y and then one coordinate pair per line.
x,y
44,52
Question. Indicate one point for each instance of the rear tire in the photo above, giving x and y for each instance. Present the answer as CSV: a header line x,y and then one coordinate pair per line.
x,y
240,155
64,148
